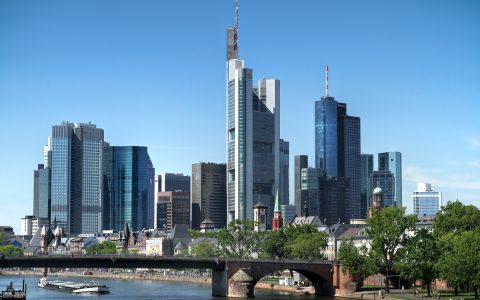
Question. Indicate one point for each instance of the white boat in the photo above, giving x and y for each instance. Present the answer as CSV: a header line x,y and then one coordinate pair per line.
x,y
74,287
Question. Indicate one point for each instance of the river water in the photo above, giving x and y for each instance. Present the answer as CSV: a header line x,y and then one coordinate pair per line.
x,y
138,289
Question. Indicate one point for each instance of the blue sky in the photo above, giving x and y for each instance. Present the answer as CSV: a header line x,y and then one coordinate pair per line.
x,y
152,73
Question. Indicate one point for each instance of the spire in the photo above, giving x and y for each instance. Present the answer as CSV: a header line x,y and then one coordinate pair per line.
x,y
277,204
235,47
326,82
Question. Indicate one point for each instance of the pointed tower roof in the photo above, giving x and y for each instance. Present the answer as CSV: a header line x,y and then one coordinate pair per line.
x,y
277,204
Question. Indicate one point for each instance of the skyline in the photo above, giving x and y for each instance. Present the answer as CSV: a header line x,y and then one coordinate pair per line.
x,y
408,70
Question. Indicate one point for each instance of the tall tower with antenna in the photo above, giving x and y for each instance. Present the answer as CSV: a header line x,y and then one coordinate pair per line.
x,y
253,136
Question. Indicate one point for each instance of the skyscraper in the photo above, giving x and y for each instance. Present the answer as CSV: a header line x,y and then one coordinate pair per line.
x,y
209,194
301,162
366,189
76,177
284,189
253,135
128,188
337,150
169,182
386,181
426,202
392,161
172,208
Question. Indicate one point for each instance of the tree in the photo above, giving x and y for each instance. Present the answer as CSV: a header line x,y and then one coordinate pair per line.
x,y
309,246
388,231
356,260
238,240
4,238
204,249
456,218
10,250
276,243
460,264
418,259
105,247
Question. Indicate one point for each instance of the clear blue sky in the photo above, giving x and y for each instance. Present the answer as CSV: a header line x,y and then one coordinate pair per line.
x,y
152,73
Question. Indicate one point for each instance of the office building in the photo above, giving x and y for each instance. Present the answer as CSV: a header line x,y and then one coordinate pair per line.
x,y
172,208
337,151
253,137
332,200
386,181
76,177
284,185
209,194
426,202
30,224
310,187
392,161
288,212
300,162
170,182
128,188
366,189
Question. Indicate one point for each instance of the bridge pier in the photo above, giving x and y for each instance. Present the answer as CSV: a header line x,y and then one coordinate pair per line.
x,y
219,283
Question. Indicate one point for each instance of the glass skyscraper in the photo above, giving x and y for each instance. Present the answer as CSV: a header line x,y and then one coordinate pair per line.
x,y
253,137
386,181
392,161
76,177
128,188
366,188
284,190
337,154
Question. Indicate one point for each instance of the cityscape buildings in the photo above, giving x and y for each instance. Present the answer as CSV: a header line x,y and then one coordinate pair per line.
x,y
300,162
76,177
337,153
283,185
168,182
366,188
386,181
426,201
392,161
128,188
173,208
209,194
253,136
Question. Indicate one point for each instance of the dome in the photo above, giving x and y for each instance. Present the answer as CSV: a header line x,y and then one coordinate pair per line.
x,y
378,190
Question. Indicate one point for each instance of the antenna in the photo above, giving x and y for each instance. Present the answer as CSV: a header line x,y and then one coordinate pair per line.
x,y
235,47
326,83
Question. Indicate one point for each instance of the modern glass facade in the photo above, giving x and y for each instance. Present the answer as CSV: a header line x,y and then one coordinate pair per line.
x,y
309,184
386,181
284,190
366,189
128,189
392,161
301,162
326,136
426,202
76,177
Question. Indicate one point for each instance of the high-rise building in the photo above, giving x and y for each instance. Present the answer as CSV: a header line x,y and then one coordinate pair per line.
x,y
309,185
253,137
284,186
426,202
41,192
392,161
366,189
332,199
209,194
172,208
337,150
386,181
128,188
169,182
76,177
288,213
301,162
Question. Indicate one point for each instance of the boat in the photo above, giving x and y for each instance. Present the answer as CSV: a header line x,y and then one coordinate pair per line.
x,y
11,293
91,287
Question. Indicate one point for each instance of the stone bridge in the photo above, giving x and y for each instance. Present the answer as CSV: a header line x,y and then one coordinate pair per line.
x,y
230,277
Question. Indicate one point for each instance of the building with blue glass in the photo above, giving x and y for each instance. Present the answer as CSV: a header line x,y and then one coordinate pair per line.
x,y
386,181
366,188
426,201
76,177
337,155
128,197
392,161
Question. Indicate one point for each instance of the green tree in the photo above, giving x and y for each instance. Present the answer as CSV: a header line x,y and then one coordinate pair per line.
x,y
460,263
418,259
309,246
204,249
238,240
276,243
388,231
455,218
4,238
10,250
105,247
356,260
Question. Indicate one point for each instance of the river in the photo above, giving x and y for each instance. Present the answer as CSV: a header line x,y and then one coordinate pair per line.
x,y
138,289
